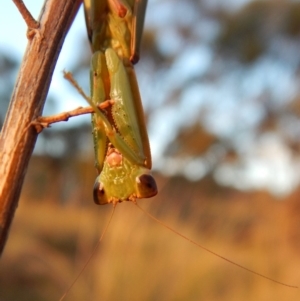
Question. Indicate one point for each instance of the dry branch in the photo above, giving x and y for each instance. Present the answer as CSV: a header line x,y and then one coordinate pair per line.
x,y
27,102
30,21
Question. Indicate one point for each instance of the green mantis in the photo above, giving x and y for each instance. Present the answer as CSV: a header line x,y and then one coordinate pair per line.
x,y
122,150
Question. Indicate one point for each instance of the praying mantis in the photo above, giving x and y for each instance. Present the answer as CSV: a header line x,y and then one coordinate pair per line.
x,y
123,158
122,151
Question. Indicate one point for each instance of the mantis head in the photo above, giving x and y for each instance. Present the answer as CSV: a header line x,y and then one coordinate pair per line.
x,y
120,180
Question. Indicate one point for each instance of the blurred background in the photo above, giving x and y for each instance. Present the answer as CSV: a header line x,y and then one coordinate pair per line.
x,y
220,88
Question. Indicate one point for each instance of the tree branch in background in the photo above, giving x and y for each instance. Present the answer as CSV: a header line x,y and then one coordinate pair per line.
x,y
27,102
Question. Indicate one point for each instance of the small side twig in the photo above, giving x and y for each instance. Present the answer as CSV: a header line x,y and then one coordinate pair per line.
x,y
30,21
44,121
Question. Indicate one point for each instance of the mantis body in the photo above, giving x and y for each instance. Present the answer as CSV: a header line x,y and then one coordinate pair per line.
x,y
122,150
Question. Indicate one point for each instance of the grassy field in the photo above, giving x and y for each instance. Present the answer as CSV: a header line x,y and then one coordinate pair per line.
x,y
52,237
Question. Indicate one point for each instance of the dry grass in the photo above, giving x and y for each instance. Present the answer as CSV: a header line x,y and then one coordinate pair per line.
x,y
140,260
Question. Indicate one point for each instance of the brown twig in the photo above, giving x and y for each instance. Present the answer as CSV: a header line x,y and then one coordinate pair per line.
x,y
30,21
27,103
44,121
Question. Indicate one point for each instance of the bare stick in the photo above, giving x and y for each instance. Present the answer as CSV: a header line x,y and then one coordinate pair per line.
x,y
27,102
30,21
44,121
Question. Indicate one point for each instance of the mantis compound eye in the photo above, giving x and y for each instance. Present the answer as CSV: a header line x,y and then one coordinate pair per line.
x,y
100,197
146,186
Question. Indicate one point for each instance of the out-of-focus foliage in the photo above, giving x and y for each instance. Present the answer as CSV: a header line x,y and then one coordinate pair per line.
x,y
188,144
66,143
215,74
236,72
256,29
